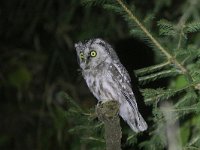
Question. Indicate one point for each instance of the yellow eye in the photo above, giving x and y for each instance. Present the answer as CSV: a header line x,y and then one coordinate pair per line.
x,y
81,55
93,53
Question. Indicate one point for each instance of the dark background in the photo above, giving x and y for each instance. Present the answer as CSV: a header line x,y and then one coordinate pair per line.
x,y
38,60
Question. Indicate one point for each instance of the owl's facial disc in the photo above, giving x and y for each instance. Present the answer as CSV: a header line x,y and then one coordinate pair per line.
x,y
91,53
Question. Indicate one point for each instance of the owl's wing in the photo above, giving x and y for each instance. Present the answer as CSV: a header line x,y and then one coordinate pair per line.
x,y
128,109
122,72
122,78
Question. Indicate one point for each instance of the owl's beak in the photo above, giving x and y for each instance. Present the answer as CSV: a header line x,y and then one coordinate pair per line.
x,y
86,64
86,61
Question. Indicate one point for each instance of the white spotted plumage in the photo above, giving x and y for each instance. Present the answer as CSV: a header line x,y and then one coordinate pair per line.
x,y
107,79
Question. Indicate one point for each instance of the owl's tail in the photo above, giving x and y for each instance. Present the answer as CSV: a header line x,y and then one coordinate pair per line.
x,y
132,116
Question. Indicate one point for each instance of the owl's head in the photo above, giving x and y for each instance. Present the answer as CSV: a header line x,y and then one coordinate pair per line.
x,y
94,53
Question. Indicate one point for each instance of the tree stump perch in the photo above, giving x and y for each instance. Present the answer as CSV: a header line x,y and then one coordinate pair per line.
x,y
108,113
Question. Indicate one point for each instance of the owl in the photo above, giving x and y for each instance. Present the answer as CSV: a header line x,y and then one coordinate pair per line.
x,y
108,80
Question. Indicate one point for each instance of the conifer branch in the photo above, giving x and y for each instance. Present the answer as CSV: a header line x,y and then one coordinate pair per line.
x,y
155,76
168,93
154,41
182,109
151,69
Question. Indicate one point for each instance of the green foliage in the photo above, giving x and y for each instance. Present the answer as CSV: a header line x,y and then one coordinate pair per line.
x,y
166,28
86,129
192,27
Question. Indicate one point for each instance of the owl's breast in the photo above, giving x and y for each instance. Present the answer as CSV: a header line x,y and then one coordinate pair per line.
x,y
102,85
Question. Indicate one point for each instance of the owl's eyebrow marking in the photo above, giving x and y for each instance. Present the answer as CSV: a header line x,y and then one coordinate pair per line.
x,y
89,43
102,44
